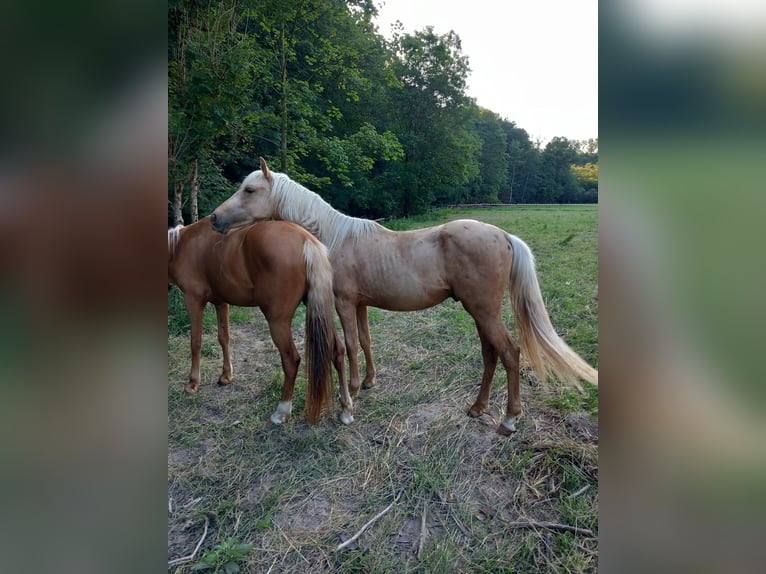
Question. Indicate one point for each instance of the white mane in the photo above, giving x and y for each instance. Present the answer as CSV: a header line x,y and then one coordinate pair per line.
x,y
302,206
174,236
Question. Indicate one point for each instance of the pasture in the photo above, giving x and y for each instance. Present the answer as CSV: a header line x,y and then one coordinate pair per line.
x,y
460,498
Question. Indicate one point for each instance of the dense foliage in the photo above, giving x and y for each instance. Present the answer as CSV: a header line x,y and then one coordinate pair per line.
x,y
378,127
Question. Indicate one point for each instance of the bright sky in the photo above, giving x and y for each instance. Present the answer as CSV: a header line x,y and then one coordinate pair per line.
x,y
533,62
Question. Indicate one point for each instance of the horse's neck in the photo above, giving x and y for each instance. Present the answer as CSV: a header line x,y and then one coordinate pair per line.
x,y
323,221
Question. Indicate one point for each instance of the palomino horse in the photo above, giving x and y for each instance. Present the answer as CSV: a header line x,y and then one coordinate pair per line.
x,y
467,260
273,265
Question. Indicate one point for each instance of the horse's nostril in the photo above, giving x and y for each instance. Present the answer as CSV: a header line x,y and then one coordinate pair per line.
x,y
213,218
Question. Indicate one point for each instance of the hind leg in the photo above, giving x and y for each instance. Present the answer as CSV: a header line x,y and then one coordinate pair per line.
x,y
496,343
283,339
510,357
489,355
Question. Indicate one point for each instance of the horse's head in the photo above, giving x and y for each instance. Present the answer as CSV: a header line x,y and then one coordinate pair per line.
x,y
251,202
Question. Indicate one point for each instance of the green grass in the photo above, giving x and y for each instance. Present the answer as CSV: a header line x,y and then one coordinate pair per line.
x,y
294,491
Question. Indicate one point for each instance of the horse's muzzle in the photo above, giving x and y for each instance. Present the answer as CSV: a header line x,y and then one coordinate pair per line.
x,y
217,225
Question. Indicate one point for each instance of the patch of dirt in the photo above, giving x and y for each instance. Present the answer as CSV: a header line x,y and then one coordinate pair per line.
x,y
259,489
581,427
308,515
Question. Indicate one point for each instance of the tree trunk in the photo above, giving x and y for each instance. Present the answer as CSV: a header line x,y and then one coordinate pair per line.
x,y
513,179
178,188
193,193
283,106
524,191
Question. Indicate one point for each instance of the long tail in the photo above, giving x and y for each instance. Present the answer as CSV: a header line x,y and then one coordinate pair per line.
x,y
540,343
320,328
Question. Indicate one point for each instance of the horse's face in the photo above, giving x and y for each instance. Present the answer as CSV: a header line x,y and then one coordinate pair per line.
x,y
251,202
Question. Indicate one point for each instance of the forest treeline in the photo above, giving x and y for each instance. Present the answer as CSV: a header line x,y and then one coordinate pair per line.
x,y
378,127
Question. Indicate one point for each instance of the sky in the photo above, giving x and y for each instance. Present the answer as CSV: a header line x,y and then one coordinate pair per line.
x,y
533,62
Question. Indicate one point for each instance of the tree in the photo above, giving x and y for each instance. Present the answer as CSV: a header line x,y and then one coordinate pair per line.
x,y
556,182
493,160
587,180
523,162
431,116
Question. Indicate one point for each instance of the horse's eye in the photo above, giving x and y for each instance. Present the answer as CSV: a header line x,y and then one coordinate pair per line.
x,y
249,189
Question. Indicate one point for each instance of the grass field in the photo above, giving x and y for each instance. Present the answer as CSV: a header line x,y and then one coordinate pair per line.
x,y
463,499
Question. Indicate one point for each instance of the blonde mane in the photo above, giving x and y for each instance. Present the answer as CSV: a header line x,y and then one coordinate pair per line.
x,y
174,236
302,206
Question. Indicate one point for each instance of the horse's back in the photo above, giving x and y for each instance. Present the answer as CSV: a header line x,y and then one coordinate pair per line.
x,y
276,245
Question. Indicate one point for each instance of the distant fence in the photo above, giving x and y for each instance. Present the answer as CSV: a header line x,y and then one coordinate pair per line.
x,y
488,206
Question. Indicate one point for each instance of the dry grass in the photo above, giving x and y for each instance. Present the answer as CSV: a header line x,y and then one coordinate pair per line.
x,y
295,492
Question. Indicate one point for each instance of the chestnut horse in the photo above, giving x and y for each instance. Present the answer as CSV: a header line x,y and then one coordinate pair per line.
x,y
467,260
273,265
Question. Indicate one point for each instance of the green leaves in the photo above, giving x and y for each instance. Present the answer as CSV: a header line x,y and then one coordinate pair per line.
x,y
224,557
378,127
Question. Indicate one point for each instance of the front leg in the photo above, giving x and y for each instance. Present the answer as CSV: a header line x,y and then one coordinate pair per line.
x,y
222,314
346,402
364,340
347,314
194,307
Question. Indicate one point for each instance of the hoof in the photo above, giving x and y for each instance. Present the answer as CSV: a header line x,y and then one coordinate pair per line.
x,y
507,427
224,382
277,419
346,418
369,384
191,389
283,413
475,411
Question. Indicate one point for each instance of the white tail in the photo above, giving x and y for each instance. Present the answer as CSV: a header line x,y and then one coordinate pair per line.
x,y
540,343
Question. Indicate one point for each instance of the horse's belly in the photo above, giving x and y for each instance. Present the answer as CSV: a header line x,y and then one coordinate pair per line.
x,y
407,296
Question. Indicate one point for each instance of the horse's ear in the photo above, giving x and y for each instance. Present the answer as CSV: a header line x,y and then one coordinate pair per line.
x,y
265,169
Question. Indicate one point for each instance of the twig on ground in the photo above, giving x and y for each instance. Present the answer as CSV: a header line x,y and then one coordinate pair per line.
x,y
579,492
553,526
373,519
422,540
191,556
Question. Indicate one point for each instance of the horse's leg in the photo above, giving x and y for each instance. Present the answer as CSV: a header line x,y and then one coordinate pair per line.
x,y
283,339
510,356
489,355
195,308
496,342
364,341
222,314
347,314
346,402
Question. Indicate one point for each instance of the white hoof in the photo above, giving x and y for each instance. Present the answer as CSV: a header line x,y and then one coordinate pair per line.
x,y
346,417
510,423
283,412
